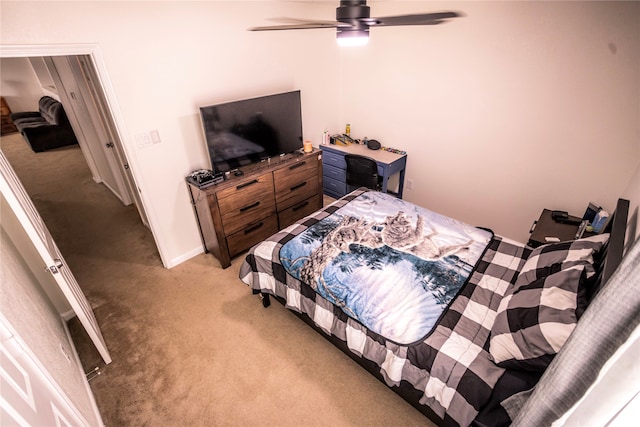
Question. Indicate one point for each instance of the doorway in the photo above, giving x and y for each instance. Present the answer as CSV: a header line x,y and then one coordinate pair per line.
x,y
86,96
73,81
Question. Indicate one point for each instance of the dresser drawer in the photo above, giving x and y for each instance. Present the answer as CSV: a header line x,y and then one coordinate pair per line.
x,y
295,183
245,191
333,172
299,210
246,202
334,187
333,159
259,209
251,234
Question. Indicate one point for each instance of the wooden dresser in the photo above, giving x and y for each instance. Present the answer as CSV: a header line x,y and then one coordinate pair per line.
x,y
7,124
243,210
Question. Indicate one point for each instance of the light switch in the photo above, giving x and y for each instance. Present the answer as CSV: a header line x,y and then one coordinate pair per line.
x,y
147,139
143,140
155,136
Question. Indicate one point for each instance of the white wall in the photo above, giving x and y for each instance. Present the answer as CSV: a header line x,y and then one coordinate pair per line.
x,y
20,86
515,107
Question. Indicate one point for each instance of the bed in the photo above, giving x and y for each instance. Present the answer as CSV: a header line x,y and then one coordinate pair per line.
x,y
453,318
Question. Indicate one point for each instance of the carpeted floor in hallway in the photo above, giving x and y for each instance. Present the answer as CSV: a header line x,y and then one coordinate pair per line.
x,y
190,345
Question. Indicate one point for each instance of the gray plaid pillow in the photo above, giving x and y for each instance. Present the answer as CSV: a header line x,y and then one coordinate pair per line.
x,y
555,257
535,319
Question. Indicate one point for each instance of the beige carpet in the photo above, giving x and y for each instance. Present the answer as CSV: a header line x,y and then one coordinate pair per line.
x,y
190,345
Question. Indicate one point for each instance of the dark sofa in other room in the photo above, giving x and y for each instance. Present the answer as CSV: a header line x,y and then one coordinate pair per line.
x,y
47,128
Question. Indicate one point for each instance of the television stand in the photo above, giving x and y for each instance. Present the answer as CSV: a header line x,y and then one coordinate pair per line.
x,y
270,195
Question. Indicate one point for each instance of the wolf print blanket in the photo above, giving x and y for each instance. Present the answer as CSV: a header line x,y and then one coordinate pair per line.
x,y
388,264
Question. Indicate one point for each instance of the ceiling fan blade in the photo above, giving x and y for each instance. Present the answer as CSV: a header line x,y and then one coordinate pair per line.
x,y
288,20
299,24
419,19
292,27
356,18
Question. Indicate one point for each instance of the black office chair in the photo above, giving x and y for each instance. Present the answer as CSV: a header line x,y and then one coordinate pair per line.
x,y
362,172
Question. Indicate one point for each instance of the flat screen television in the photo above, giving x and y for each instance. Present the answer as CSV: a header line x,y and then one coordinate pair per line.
x,y
242,132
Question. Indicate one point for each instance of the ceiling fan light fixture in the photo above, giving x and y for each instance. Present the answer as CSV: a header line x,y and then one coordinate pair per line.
x,y
349,38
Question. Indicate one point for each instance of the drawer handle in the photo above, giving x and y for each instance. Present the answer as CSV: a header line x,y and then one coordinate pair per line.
x,y
301,205
246,184
253,228
252,205
297,165
533,226
295,187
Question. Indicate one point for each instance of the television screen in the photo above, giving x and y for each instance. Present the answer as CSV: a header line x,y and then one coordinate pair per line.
x,y
247,131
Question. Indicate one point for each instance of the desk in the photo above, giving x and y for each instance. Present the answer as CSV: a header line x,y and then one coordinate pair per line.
x,y
334,167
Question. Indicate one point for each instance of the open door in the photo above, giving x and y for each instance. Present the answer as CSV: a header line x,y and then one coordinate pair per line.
x,y
87,125
85,71
53,261
29,396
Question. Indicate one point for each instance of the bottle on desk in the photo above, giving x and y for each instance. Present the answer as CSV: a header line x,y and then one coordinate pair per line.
x,y
325,137
347,131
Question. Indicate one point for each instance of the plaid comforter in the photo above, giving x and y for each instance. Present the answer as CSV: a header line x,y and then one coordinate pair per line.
x,y
451,367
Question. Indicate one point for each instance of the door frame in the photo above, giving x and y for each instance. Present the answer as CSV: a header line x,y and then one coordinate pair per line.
x,y
110,104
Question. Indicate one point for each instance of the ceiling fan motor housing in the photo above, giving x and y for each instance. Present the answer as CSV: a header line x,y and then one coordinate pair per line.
x,y
351,12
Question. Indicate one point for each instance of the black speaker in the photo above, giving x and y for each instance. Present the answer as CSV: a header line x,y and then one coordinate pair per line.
x,y
372,144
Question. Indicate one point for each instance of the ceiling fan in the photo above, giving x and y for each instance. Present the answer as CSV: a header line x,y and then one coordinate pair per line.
x,y
353,22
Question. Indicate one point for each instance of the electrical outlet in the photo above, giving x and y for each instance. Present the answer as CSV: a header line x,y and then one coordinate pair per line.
x,y
409,184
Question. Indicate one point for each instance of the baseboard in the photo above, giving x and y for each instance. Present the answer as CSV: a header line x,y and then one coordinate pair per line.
x,y
68,315
185,257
